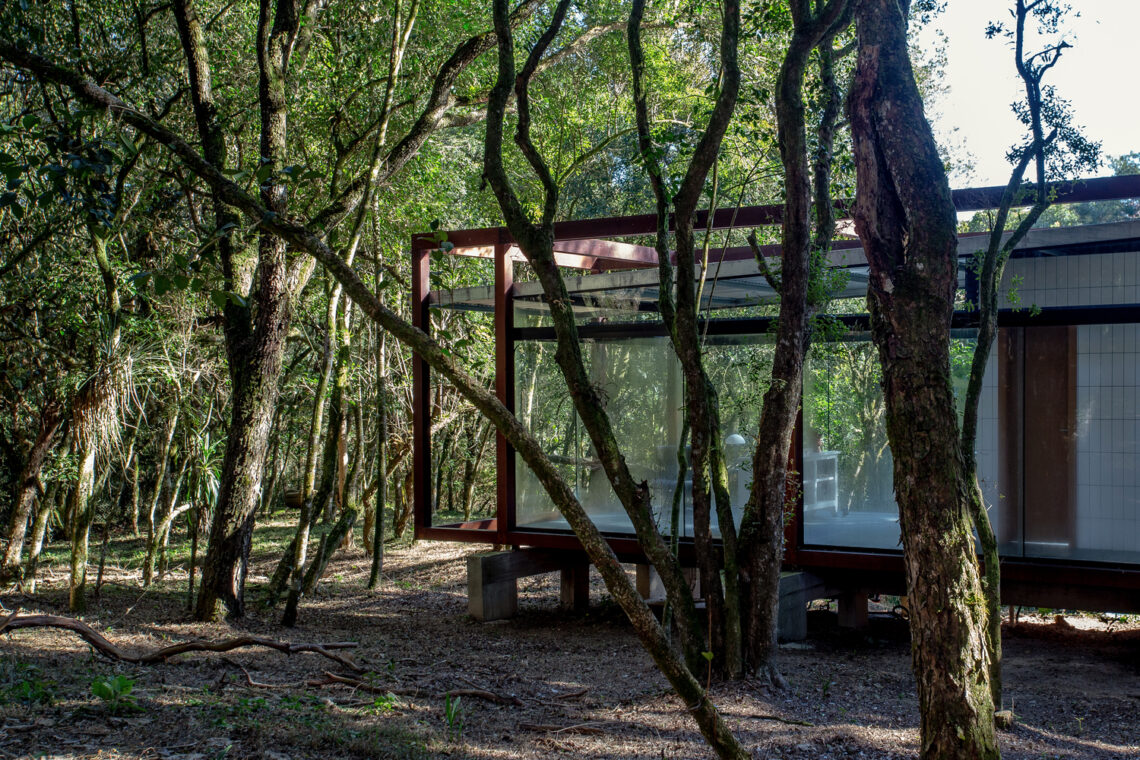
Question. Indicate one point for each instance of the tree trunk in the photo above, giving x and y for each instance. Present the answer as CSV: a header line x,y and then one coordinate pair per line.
x,y
195,521
906,219
82,513
471,470
441,464
402,506
316,421
377,535
161,486
170,514
292,563
762,527
276,466
255,342
681,319
133,503
44,512
325,550
51,418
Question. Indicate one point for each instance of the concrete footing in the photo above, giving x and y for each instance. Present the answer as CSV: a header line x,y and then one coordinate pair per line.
x,y
796,590
853,609
492,580
492,588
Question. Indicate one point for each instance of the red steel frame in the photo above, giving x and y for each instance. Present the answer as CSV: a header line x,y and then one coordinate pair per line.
x,y
576,246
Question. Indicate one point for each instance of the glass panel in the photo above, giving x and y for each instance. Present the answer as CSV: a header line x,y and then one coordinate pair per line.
x,y
640,382
462,482
1107,488
999,442
613,305
847,467
640,386
848,486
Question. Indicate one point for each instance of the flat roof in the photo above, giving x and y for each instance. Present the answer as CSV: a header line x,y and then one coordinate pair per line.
x,y
734,280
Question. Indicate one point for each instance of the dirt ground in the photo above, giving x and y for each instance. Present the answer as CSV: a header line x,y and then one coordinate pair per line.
x,y
566,686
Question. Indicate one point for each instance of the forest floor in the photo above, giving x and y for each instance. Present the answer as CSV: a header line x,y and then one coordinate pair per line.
x,y
568,686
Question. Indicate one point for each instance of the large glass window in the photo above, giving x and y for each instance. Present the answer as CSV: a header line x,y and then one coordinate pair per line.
x,y
1057,448
640,383
848,473
1106,525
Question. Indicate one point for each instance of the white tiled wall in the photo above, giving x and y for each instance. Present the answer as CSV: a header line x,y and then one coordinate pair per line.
x,y
1088,280
1108,430
1108,368
987,447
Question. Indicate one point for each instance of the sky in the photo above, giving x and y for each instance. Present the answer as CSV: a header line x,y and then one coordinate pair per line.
x,y
1097,75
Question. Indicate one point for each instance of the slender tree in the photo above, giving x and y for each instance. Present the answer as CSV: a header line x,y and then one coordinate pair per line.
x,y
51,418
1063,149
905,218
802,294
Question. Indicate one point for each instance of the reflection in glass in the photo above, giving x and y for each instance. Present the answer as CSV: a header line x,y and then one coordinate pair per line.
x,y
640,383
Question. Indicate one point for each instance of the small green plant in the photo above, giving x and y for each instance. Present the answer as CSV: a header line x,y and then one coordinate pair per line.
x,y
385,703
292,702
453,715
248,705
116,694
20,682
709,659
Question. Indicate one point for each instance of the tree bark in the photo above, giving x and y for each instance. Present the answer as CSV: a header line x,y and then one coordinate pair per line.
x,y
44,511
906,219
316,421
255,344
51,418
82,514
326,547
762,527
153,534
377,536
681,319
1031,69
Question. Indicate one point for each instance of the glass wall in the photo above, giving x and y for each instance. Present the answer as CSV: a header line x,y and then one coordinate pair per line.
x,y
639,380
1107,487
1058,443
847,468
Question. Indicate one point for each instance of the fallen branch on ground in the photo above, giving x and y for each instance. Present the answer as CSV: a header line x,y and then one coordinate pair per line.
x,y
778,719
258,684
573,694
580,728
15,622
411,691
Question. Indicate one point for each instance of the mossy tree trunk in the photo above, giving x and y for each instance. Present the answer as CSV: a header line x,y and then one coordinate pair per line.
x,y
905,217
47,506
681,317
161,487
27,488
801,294
255,331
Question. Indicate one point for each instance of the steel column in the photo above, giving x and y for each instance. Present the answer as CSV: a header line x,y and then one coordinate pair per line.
x,y
504,389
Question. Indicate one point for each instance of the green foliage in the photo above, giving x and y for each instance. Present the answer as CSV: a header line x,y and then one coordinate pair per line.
x,y
22,683
453,714
385,703
116,693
